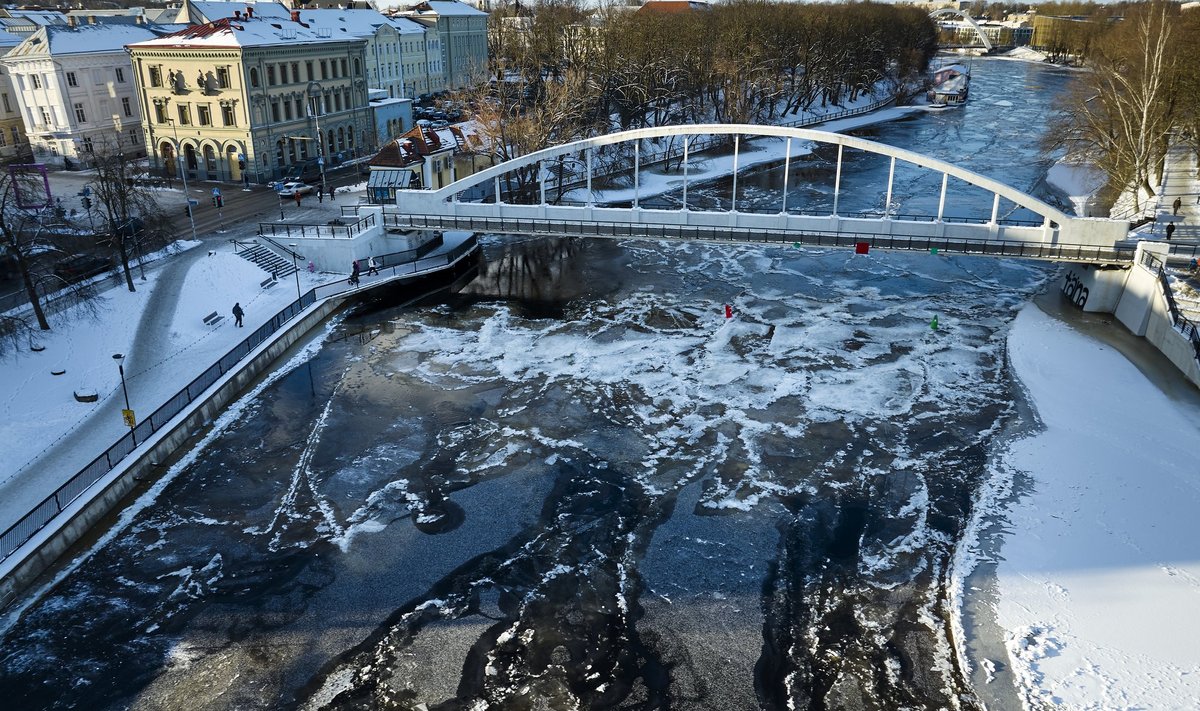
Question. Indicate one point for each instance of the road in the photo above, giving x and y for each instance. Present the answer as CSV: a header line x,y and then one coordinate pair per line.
x,y
259,204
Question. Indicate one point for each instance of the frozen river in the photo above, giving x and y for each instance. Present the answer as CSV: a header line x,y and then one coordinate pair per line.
x,y
575,484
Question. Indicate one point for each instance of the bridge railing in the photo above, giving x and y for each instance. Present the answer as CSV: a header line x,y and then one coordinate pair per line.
x,y
1187,327
756,235
37,518
327,231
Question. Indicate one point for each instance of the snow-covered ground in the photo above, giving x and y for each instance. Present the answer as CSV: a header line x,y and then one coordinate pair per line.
x,y
1099,575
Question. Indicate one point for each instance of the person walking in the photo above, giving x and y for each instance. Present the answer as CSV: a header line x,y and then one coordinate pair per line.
x,y
297,194
320,196
372,267
331,189
1176,205
1170,229
237,314
354,273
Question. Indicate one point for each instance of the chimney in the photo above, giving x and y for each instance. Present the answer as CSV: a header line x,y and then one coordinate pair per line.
x,y
237,14
295,15
249,12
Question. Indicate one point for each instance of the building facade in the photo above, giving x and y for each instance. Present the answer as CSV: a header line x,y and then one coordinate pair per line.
x,y
250,97
13,143
462,34
75,91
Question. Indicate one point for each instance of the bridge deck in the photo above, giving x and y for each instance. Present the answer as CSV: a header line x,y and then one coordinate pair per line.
x,y
1119,253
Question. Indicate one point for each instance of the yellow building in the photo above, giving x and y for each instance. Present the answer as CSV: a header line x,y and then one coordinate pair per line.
x,y
252,97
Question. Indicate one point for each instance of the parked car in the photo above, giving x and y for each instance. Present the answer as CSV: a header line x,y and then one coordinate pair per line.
x,y
440,123
81,267
293,189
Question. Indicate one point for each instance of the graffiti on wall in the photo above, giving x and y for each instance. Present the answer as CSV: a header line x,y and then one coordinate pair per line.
x,y
1074,290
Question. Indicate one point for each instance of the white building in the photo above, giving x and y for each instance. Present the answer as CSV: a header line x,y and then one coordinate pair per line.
x,y
420,57
12,129
75,90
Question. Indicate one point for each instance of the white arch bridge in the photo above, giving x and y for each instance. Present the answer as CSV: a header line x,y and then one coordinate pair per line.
x,y
968,21
487,202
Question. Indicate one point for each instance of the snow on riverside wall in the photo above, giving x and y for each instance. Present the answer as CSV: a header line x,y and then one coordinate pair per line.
x,y
1099,576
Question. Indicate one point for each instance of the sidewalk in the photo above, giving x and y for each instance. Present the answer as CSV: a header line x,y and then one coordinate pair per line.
x,y
1179,181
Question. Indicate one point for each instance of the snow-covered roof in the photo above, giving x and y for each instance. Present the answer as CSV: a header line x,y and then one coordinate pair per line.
x,y
59,40
406,26
216,10
256,32
353,23
441,8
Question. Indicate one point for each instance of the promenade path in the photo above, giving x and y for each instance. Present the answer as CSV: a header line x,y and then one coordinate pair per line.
x,y
1179,181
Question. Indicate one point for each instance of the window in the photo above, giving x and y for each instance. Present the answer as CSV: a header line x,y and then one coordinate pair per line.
x,y
299,109
295,72
222,77
2,141
16,134
134,138
79,113
71,79
35,81
120,75
204,115
308,68
125,106
87,145
160,113
287,110
345,72
337,101
324,70
185,115
270,75
275,111
155,76
7,106
253,76
227,117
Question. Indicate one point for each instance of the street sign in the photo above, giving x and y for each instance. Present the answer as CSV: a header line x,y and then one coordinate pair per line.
x,y
193,201
216,192
130,420
321,160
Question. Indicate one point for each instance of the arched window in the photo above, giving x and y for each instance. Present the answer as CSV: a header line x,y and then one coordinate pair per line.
x,y
210,159
357,67
341,139
279,153
253,76
189,157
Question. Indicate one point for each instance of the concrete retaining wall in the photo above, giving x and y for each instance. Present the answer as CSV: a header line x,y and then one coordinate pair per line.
x,y
20,570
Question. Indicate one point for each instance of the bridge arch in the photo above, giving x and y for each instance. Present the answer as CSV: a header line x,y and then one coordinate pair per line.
x,y
481,179
946,11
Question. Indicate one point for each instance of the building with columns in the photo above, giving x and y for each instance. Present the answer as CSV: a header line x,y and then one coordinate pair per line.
x,y
75,90
251,96
13,143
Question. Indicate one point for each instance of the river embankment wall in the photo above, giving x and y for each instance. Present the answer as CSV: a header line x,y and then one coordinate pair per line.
x,y
1134,294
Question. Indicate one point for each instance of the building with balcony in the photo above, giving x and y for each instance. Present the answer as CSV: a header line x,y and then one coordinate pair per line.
x,y
75,90
250,96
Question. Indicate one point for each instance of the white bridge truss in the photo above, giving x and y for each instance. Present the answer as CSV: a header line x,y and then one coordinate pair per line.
x,y
947,12
1058,237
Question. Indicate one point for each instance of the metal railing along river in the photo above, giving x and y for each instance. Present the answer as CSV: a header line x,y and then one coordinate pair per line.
x,y
399,264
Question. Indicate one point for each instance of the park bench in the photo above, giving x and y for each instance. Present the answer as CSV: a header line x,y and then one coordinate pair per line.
x,y
213,319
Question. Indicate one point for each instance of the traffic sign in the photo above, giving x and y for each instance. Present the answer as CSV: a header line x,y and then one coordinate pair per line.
x,y
193,201
321,160
216,192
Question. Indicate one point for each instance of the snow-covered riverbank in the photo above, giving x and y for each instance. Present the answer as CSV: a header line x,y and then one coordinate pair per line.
x,y
1098,574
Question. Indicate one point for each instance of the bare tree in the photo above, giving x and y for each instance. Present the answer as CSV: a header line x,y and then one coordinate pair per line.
x,y
132,217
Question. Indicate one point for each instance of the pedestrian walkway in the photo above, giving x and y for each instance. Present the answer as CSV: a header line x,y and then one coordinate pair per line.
x,y
1179,183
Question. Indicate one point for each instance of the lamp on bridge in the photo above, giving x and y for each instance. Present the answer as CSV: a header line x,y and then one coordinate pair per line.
x,y
292,248
127,413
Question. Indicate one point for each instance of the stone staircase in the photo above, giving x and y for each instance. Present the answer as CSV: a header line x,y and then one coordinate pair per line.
x,y
268,260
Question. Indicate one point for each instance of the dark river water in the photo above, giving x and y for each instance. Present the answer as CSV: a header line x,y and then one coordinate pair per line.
x,y
573,483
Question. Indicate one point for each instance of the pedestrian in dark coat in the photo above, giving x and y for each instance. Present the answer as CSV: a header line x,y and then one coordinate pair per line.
x,y
297,198
1170,229
354,274
1176,205
237,314
331,189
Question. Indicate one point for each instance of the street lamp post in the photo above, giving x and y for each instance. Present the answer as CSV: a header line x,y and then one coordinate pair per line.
x,y
187,200
314,101
127,413
292,247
